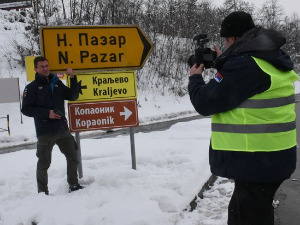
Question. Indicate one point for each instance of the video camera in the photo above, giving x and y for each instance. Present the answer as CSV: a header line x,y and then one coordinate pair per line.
x,y
202,54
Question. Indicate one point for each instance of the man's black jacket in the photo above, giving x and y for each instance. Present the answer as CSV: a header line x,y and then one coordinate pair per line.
x,y
43,95
238,79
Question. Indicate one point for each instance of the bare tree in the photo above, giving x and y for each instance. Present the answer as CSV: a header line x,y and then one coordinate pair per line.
x,y
292,47
271,15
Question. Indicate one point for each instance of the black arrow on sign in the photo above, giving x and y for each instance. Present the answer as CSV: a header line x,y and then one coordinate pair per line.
x,y
147,47
81,87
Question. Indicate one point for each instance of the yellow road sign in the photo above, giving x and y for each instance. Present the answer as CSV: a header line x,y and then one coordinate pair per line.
x,y
95,47
30,67
103,86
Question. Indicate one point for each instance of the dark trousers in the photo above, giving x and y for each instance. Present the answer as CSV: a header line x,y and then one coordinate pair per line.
x,y
251,204
67,146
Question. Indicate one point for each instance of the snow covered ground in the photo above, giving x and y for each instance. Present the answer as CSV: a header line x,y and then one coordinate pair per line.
x,y
172,166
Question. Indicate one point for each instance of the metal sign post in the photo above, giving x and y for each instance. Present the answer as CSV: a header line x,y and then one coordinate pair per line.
x,y
133,159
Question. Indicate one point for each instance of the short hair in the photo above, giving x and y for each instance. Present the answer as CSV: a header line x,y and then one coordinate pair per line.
x,y
39,59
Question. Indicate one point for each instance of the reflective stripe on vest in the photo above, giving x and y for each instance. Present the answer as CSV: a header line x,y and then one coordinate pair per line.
x,y
253,128
267,103
264,122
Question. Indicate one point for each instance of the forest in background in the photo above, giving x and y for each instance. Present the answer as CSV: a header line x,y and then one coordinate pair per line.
x,y
169,24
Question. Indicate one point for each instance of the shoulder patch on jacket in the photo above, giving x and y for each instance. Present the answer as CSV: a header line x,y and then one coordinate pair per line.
x,y
218,77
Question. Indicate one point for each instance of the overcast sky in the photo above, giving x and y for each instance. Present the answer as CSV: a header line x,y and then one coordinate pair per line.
x,y
289,6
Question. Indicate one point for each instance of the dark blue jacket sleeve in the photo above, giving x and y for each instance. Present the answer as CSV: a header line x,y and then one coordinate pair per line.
x,y
242,78
29,106
72,93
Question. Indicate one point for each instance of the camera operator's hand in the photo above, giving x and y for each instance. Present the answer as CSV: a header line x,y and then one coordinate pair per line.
x,y
217,50
197,69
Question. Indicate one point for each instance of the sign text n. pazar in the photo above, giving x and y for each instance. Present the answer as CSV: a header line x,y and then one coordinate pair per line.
x,y
95,47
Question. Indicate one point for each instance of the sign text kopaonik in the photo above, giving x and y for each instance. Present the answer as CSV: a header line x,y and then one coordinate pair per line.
x,y
84,116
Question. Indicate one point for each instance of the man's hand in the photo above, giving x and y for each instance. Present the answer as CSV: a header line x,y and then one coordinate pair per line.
x,y
70,72
197,69
53,115
218,51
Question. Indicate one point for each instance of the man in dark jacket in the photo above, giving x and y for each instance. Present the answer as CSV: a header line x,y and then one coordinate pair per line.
x,y
251,100
43,99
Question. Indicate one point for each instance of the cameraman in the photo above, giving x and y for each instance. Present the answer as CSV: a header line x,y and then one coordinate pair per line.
x,y
43,99
252,103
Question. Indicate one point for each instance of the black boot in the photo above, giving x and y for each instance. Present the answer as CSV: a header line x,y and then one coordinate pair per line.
x,y
75,187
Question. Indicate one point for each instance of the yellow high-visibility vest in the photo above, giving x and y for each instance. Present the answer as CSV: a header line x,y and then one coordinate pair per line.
x,y
263,123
